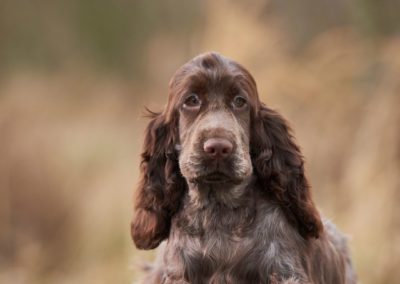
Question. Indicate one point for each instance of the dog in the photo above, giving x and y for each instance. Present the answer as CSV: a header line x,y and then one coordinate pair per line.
x,y
223,183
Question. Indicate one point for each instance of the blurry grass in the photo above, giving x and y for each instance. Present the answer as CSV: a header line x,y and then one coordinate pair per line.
x,y
70,143
67,172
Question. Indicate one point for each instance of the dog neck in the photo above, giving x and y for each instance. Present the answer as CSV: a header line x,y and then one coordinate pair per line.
x,y
229,195
204,202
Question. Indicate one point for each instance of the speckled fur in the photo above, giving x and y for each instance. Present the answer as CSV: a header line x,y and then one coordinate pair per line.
x,y
259,225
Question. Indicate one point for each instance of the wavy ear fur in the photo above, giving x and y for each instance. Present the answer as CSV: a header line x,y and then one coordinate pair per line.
x,y
279,167
161,186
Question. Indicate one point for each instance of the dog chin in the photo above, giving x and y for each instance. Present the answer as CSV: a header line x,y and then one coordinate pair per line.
x,y
216,178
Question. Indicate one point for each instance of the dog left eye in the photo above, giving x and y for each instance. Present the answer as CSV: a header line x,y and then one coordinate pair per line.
x,y
239,102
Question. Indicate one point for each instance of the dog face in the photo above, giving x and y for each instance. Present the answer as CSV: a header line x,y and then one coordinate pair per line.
x,y
214,130
214,121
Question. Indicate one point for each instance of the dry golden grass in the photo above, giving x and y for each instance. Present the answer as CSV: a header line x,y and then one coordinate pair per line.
x,y
70,142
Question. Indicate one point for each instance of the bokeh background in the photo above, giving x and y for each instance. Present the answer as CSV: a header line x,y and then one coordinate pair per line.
x,y
75,77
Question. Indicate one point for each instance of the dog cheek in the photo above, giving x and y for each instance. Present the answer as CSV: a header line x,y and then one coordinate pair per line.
x,y
249,166
187,163
243,165
184,164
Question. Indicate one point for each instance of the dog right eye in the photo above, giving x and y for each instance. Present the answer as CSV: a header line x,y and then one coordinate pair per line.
x,y
192,102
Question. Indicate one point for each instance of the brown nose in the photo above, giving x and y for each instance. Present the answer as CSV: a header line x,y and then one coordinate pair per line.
x,y
217,148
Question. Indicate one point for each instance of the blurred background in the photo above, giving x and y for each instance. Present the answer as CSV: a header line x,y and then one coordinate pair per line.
x,y
75,77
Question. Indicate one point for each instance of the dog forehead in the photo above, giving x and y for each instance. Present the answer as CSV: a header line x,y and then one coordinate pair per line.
x,y
212,76
213,83
206,68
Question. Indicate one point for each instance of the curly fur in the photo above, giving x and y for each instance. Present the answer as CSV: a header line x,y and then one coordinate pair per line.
x,y
262,226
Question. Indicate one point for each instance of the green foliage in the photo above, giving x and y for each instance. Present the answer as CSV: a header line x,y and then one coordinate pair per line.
x,y
110,35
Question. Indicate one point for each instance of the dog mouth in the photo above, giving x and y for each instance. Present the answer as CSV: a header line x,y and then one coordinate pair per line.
x,y
201,171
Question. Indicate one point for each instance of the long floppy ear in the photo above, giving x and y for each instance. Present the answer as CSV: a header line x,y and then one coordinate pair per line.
x,y
279,167
161,185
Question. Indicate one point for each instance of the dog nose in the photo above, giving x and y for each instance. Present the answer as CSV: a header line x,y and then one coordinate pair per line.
x,y
218,148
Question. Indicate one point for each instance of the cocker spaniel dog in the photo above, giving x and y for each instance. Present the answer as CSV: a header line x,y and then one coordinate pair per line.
x,y
222,181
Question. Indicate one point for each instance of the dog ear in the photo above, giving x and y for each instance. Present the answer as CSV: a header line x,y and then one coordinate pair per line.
x,y
279,167
161,186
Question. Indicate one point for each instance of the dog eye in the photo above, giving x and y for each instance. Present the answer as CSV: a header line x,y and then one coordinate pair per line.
x,y
239,102
192,102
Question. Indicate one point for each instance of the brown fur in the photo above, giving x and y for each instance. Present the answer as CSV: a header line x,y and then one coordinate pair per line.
x,y
256,225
